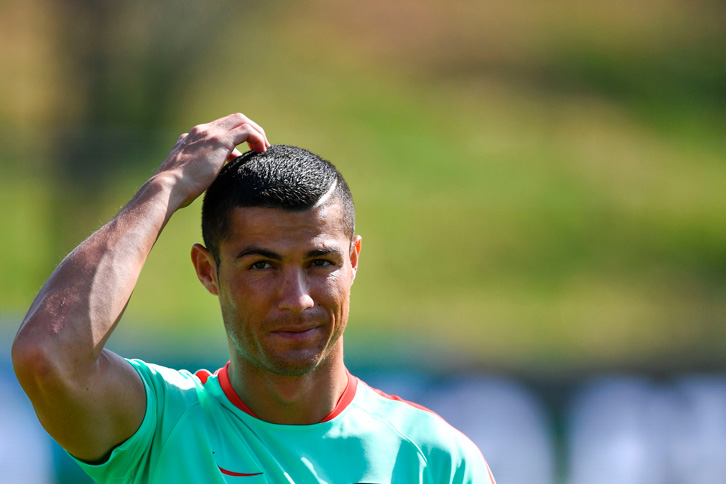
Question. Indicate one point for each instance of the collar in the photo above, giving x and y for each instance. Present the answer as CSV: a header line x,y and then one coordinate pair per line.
x,y
345,399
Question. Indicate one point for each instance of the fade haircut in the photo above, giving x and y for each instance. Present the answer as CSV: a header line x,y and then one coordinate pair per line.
x,y
284,177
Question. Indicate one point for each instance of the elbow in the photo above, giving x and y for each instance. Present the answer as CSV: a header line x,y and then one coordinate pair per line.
x,y
41,362
32,361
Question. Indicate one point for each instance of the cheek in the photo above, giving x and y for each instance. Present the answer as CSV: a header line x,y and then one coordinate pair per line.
x,y
247,292
238,303
334,290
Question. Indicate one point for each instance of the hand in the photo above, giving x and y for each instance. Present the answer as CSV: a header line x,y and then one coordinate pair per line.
x,y
199,155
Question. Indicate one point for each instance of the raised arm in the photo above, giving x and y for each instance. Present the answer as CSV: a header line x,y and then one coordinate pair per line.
x,y
86,397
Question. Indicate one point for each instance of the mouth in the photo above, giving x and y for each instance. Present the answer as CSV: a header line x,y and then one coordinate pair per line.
x,y
294,334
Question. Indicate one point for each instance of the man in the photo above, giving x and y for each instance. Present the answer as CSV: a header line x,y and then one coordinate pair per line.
x,y
281,256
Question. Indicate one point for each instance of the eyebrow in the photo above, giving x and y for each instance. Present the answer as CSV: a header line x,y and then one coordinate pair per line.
x,y
258,251
322,252
248,251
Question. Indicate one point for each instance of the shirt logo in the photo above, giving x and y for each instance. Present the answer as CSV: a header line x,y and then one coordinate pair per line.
x,y
238,474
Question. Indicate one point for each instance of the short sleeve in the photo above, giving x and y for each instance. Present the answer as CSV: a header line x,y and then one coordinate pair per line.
x,y
474,469
167,395
457,460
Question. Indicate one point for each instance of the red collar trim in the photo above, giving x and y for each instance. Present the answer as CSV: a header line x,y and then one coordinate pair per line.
x,y
229,391
345,399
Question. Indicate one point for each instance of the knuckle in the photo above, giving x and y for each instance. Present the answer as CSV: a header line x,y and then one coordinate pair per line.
x,y
198,130
219,139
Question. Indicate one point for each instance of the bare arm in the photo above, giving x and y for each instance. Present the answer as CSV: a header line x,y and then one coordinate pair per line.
x,y
86,397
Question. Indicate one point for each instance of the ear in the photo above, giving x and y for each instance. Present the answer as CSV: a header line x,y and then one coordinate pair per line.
x,y
355,245
206,268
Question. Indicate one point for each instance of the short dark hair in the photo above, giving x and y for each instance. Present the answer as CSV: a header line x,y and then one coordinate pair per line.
x,y
285,177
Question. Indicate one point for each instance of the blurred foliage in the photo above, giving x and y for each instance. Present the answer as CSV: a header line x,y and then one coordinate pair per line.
x,y
540,186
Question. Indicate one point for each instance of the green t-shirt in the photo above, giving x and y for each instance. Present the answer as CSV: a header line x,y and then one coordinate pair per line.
x,y
197,430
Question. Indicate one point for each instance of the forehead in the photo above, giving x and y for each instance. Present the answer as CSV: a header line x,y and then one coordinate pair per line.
x,y
279,229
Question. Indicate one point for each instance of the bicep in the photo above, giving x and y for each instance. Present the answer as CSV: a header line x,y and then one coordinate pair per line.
x,y
90,416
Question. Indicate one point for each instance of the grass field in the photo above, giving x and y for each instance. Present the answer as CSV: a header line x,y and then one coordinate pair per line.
x,y
534,202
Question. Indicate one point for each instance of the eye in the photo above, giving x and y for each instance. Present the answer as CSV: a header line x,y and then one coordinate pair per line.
x,y
260,264
320,263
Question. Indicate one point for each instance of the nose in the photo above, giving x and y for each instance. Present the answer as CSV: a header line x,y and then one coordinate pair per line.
x,y
294,292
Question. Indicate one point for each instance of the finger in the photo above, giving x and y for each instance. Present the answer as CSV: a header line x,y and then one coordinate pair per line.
x,y
260,130
230,121
233,121
257,127
247,132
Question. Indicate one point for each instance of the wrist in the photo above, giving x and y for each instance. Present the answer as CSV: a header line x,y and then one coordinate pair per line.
x,y
155,199
167,186
177,187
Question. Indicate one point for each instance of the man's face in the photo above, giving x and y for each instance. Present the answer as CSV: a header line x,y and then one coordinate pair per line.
x,y
284,282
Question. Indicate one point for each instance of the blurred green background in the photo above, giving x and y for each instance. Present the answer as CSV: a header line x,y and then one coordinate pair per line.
x,y
540,186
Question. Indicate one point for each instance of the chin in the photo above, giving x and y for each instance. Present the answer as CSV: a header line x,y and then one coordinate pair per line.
x,y
292,369
295,365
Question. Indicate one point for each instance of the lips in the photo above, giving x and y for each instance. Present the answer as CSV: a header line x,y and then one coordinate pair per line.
x,y
296,334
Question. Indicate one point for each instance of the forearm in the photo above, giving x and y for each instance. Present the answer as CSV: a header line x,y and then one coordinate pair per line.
x,y
77,309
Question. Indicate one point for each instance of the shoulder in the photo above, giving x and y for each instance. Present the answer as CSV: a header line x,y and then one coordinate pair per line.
x,y
173,400
411,419
447,451
182,379
167,387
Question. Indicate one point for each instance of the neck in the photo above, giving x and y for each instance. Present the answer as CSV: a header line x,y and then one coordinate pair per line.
x,y
291,400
